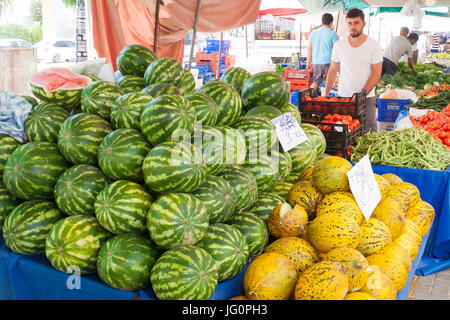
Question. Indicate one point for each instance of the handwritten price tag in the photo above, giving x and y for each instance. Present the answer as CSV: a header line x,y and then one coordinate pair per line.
x,y
289,131
364,186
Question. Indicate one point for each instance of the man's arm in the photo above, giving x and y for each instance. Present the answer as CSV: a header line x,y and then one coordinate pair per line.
x,y
331,76
374,78
309,54
411,66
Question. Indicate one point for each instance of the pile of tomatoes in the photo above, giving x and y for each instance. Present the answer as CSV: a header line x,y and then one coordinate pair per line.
x,y
436,123
328,99
338,118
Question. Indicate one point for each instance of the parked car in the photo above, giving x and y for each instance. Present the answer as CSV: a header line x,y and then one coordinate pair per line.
x,y
56,50
14,43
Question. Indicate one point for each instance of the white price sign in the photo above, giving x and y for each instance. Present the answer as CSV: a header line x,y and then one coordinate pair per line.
x,y
364,186
289,131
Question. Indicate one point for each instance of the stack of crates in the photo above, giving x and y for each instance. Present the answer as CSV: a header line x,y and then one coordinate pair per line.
x,y
298,79
210,56
388,110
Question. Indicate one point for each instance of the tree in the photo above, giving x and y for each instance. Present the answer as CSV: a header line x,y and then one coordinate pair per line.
x,y
70,3
4,4
36,10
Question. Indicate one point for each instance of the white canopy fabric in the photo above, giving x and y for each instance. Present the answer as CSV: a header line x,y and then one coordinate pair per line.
x,y
401,3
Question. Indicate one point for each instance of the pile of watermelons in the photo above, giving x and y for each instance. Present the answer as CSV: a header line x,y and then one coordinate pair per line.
x,y
147,181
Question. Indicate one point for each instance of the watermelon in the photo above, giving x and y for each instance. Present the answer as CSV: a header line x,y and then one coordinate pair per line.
x,y
206,109
212,144
260,133
236,77
122,207
44,121
127,109
235,147
160,89
164,70
7,203
73,244
290,108
98,97
7,146
80,136
316,137
254,230
170,167
267,111
218,197
265,171
293,177
265,204
282,188
121,153
265,88
228,247
27,226
283,161
187,83
125,261
303,156
134,59
60,86
92,76
177,219
184,273
244,185
131,83
30,100
167,118
32,170
77,188
228,101
75,110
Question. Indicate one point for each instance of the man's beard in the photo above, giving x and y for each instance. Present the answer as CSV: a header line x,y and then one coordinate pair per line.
x,y
356,35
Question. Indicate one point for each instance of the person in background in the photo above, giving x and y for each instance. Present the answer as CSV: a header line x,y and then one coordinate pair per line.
x,y
320,45
404,31
358,59
398,47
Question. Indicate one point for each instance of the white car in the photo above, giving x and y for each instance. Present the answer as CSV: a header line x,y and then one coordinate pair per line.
x,y
56,50
14,43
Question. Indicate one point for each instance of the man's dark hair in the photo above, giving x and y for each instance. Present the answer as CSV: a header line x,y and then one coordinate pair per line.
x,y
355,13
413,36
327,19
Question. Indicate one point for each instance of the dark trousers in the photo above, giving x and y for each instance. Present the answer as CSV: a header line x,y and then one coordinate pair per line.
x,y
388,67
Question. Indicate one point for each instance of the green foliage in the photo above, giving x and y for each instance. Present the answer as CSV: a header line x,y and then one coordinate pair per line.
x,y
16,31
70,3
36,10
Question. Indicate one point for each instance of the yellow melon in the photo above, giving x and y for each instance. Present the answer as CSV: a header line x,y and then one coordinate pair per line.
x,y
391,214
422,214
414,230
304,194
358,296
409,243
378,284
405,193
326,280
331,231
375,236
383,184
299,251
392,178
394,269
239,298
353,262
330,175
394,251
340,203
306,175
285,221
271,276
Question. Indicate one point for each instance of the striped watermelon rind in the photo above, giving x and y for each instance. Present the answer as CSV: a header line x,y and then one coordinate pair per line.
x,y
265,204
131,83
290,108
267,111
282,189
206,109
80,136
33,169
7,203
99,96
265,171
177,219
122,207
134,59
127,109
187,83
73,244
7,146
77,188
218,197
235,146
236,77
316,137
121,153
159,89
212,148
30,100
228,247
164,70
303,156
283,161
44,121
27,226
184,273
125,261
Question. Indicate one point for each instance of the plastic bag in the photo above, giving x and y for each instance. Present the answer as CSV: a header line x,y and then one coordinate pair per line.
x,y
400,94
14,110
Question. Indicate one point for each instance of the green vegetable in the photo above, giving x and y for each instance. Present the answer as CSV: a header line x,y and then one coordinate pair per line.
x,y
437,102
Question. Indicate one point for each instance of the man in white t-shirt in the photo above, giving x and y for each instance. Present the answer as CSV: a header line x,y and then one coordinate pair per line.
x,y
398,47
358,60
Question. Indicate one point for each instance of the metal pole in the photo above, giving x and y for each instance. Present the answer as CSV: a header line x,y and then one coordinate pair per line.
x,y
156,34
220,54
194,34
246,42
300,51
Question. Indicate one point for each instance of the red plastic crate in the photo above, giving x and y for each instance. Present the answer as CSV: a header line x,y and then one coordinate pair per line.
x,y
292,74
298,85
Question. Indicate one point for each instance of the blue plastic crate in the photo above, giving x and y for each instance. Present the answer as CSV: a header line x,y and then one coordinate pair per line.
x,y
210,43
293,98
388,109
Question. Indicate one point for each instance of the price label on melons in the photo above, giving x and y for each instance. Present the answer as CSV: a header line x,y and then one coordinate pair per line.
x,y
364,186
289,131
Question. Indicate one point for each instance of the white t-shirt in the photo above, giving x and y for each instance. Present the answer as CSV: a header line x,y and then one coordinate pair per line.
x,y
398,47
355,65
404,58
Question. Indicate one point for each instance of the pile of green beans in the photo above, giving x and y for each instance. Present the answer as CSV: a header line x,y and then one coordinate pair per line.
x,y
411,148
438,102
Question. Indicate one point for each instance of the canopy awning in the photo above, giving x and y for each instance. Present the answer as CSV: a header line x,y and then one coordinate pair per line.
x,y
281,12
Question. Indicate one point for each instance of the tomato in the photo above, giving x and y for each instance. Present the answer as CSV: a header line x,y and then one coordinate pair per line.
x,y
333,99
442,135
328,117
447,141
347,117
345,100
308,98
336,117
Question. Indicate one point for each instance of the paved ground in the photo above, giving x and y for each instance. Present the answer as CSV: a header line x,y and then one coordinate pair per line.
x,y
433,287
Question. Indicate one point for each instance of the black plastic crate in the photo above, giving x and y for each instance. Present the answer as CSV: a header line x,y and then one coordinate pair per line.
x,y
354,105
